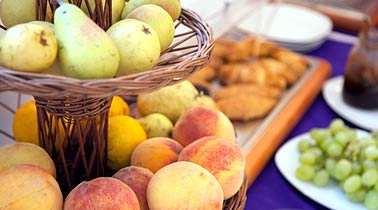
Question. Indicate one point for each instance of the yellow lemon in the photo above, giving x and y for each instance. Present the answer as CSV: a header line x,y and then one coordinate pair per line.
x,y
25,127
118,107
124,134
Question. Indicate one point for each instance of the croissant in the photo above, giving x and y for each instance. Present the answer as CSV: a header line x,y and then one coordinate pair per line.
x,y
246,106
250,73
222,47
280,68
247,88
207,73
294,61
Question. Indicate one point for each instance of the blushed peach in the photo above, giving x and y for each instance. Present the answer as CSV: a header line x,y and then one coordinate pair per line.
x,y
154,153
222,158
184,185
25,153
103,193
199,122
29,187
137,178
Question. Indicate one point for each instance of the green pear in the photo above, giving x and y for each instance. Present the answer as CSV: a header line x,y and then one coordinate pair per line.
x,y
28,47
172,101
159,20
173,7
85,50
117,7
138,44
156,125
13,12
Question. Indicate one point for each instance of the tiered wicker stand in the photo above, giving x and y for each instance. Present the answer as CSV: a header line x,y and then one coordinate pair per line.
x,y
73,113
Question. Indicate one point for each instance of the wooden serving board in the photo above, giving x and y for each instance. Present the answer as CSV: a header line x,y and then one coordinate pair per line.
x,y
259,139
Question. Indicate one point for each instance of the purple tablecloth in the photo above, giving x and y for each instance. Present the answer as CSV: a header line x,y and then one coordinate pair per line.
x,y
271,191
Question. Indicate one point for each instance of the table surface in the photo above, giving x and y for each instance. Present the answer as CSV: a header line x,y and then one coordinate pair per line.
x,y
270,190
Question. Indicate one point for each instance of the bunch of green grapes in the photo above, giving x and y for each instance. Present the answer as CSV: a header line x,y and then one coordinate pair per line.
x,y
338,153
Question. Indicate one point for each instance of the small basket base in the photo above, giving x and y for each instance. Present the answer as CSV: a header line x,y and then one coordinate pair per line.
x,y
74,133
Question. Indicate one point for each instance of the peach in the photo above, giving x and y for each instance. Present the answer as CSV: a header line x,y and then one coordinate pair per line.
x,y
102,193
202,121
222,158
29,187
154,153
25,153
137,178
184,185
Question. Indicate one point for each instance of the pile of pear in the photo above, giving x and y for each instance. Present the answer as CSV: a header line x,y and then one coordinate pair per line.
x,y
69,43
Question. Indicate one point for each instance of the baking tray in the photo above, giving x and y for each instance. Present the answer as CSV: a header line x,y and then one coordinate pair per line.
x,y
259,139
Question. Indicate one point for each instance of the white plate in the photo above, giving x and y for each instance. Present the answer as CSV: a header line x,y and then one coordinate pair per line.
x,y
332,93
288,24
330,196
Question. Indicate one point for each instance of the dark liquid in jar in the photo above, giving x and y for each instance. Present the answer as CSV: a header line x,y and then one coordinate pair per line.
x,y
360,88
360,94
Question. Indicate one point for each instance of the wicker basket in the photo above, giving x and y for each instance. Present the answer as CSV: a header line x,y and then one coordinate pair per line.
x,y
73,113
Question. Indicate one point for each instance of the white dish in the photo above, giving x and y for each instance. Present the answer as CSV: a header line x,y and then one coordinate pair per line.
x,y
288,24
303,48
330,196
332,93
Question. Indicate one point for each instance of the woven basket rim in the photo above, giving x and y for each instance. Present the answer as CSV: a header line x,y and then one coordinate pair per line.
x,y
165,73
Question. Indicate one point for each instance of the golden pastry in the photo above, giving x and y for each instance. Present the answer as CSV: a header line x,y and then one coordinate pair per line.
x,y
246,106
207,73
236,89
280,68
250,73
295,62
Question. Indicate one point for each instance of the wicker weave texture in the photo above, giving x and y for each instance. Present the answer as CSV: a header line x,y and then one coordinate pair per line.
x,y
189,52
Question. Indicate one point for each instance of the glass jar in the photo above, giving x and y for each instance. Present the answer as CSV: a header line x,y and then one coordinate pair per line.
x,y
360,88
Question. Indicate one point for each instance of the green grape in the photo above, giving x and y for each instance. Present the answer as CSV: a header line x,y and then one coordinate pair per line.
x,y
376,187
352,183
304,145
305,172
324,145
307,158
342,138
357,196
352,134
374,135
342,169
320,134
367,140
371,152
370,177
368,164
334,150
371,200
352,151
330,165
317,151
321,178
336,125
356,167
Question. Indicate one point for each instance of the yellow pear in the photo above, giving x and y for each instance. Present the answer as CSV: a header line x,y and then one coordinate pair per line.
x,y
28,47
85,50
173,7
13,12
45,24
172,101
138,45
159,20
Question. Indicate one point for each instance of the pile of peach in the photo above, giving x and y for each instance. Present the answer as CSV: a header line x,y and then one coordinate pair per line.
x,y
197,168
